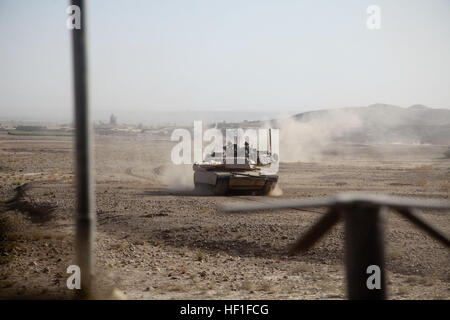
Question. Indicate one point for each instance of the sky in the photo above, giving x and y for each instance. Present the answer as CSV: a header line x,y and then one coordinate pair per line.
x,y
233,56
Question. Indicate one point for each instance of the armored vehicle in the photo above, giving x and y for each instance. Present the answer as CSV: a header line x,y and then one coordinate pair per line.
x,y
224,173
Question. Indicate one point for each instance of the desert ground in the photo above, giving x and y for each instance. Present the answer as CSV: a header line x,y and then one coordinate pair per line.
x,y
157,239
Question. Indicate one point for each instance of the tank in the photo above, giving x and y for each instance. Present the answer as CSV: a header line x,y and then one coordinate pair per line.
x,y
231,176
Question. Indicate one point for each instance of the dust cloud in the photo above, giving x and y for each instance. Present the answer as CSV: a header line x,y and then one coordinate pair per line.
x,y
307,139
276,192
177,177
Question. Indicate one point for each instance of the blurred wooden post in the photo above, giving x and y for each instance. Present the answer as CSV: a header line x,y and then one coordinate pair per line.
x,y
85,223
363,247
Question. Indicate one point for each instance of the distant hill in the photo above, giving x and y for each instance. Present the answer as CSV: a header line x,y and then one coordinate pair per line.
x,y
381,123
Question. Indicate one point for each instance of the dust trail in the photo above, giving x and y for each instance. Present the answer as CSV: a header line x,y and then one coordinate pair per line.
x,y
177,177
307,139
276,192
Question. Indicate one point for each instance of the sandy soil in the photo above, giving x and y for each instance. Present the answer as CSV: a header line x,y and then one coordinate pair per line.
x,y
156,239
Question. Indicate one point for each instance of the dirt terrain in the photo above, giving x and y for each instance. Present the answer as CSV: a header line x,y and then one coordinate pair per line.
x,y
157,239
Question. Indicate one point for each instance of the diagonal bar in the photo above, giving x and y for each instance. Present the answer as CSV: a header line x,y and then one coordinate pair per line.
x,y
410,215
317,231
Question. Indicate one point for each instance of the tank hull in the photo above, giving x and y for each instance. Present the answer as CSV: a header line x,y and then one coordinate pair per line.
x,y
218,182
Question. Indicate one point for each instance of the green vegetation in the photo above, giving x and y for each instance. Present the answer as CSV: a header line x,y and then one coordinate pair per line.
x,y
39,133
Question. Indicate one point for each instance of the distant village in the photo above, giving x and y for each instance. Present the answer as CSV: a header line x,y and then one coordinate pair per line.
x,y
113,127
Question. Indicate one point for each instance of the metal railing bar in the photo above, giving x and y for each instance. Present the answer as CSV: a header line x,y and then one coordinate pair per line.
x,y
317,231
410,215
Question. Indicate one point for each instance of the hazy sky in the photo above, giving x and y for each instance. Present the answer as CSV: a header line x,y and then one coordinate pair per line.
x,y
246,55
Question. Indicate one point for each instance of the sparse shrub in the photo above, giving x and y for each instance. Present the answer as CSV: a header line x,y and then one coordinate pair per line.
x,y
267,287
183,269
301,268
412,279
8,284
118,246
238,235
402,291
40,236
421,182
177,288
200,256
395,254
60,237
246,285
137,242
423,168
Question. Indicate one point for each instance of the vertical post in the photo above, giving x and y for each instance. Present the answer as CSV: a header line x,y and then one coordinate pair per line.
x,y
363,247
235,146
85,222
